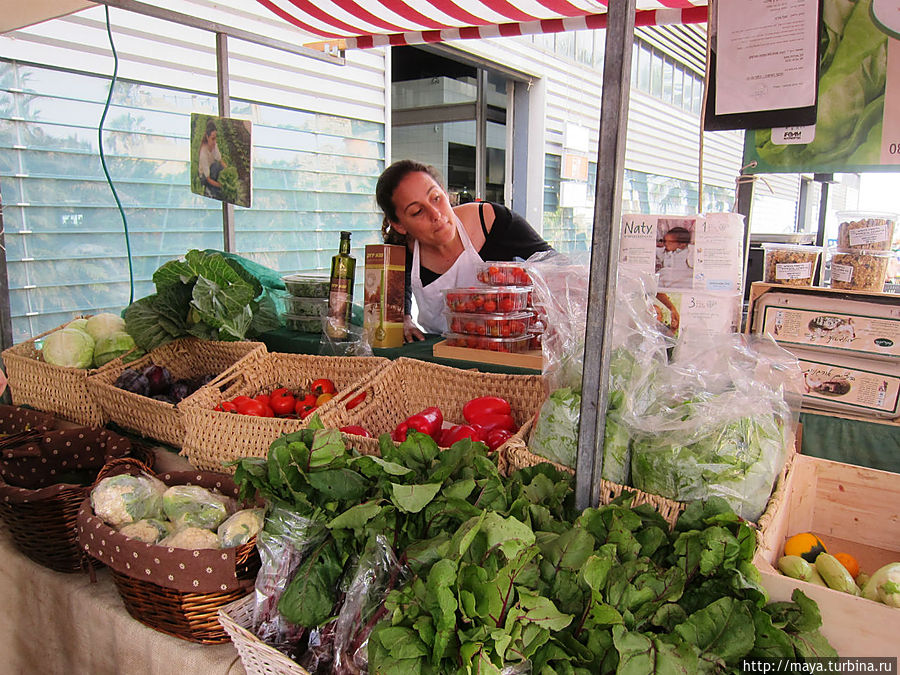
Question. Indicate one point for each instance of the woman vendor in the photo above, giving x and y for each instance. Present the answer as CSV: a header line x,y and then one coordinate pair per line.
x,y
444,244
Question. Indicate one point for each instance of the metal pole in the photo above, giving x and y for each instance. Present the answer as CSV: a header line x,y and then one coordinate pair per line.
x,y
604,250
224,111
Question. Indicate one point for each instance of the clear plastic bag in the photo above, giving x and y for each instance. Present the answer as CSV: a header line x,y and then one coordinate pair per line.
x,y
283,543
638,347
354,343
377,572
719,420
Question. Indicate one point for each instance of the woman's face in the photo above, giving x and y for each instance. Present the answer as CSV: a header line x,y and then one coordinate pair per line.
x,y
212,137
423,210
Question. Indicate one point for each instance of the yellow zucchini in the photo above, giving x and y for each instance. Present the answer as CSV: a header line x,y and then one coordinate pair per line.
x,y
835,574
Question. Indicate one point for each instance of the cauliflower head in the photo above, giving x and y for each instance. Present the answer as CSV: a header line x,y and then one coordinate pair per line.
x,y
120,500
148,530
192,538
240,527
194,506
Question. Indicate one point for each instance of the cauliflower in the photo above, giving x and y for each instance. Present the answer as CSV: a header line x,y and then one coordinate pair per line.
x,y
192,538
148,530
120,500
194,506
240,527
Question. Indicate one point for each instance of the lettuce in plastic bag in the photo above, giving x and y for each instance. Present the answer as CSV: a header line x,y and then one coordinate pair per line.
x,y
556,429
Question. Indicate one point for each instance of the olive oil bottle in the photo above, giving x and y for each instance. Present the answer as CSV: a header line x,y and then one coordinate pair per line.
x,y
340,295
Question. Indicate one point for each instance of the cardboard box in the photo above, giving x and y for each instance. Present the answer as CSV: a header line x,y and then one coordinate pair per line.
x,y
383,296
826,322
853,510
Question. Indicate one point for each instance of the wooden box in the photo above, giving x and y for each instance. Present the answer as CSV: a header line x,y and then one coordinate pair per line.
x,y
533,359
854,510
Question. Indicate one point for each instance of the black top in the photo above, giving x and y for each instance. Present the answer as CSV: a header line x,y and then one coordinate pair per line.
x,y
511,238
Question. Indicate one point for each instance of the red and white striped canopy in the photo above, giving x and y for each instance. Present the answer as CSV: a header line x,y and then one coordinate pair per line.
x,y
376,23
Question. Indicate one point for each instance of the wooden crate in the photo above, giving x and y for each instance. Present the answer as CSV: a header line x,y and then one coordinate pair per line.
x,y
852,509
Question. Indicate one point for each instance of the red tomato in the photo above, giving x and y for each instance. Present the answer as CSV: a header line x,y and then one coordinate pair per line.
x,y
305,405
282,401
237,400
262,398
226,406
322,386
490,306
506,305
251,407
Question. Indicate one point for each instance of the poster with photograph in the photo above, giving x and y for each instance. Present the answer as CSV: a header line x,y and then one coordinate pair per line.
x,y
221,158
858,121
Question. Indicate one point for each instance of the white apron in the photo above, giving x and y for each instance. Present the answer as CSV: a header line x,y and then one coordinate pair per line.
x,y
430,299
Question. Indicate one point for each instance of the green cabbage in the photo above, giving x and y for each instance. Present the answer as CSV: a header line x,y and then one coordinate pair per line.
x,y
103,325
112,346
69,347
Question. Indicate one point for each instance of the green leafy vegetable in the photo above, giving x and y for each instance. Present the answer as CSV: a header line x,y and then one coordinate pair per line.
x,y
206,295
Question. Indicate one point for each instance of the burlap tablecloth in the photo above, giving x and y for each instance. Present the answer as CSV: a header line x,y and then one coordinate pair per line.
x,y
62,623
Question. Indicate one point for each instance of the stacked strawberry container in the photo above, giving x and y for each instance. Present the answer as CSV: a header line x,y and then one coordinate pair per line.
x,y
497,316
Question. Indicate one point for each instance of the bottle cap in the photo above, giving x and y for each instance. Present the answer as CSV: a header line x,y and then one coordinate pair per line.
x,y
345,234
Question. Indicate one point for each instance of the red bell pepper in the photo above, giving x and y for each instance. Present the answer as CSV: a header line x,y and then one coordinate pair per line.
x,y
356,430
427,421
399,433
495,421
485,405
458,432
496,437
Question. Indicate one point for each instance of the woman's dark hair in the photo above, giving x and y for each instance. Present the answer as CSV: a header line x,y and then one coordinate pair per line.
x,y
680,234
384,193
210,127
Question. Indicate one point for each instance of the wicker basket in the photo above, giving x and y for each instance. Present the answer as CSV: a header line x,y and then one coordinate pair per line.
x,y
408,386
258,657
214,438
55,389
185,358
42,513
154,581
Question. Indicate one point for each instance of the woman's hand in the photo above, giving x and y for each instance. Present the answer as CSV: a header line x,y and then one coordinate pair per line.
x,y
410,332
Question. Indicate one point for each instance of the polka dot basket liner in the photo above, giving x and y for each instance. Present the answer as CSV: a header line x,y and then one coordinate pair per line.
x,y
176,591
43,482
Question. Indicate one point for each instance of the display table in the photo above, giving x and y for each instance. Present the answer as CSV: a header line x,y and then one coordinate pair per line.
x,y
62,623
291,342
875,444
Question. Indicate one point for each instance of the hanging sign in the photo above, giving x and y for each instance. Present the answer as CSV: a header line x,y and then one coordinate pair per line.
x,y
857,126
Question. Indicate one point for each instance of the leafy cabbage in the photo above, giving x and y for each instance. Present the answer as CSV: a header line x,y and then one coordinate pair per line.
x,y
69,347
207,295
103,325
112,346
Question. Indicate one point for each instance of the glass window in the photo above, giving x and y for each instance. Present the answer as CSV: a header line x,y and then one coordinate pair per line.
x,y
600,49
697,96
678,87
313,176
668,80
688,86
644,58
656,74
584,46
565,45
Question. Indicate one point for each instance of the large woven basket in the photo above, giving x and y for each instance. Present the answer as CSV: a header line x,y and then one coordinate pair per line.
x,y
517,456
214,438
154,581
40,512
258,657
55,389
186,358
408,386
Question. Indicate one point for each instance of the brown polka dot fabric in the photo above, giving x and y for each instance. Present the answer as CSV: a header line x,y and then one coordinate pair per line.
x,y
187,571
15,420
35,469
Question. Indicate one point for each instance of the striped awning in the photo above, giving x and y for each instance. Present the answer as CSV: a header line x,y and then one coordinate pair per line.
x,y
376,23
